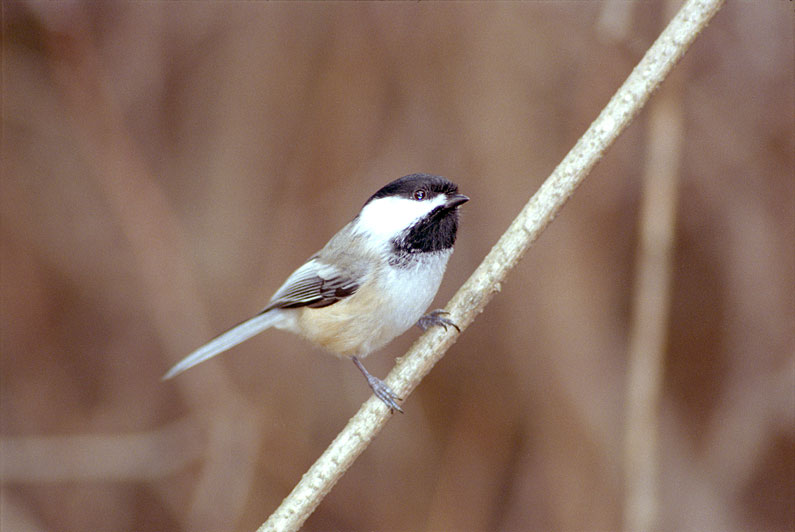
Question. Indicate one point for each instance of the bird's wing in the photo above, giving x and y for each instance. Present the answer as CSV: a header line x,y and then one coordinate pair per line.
x,y
315,284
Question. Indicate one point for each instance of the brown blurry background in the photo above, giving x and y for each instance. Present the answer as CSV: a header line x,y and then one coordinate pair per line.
x,y
167,165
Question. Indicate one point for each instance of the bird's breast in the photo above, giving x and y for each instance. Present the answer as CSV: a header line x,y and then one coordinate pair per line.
x,y
385,306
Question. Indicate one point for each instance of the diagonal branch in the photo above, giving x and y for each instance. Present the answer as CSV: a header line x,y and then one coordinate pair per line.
x,y
474,295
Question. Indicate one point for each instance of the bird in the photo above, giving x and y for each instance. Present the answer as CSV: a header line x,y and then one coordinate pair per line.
x,y
370,283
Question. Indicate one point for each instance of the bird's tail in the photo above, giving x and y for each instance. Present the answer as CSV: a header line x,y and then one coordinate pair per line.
x,y
230,338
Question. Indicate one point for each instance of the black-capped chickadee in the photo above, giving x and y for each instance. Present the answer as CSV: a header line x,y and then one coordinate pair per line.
x,y
370,283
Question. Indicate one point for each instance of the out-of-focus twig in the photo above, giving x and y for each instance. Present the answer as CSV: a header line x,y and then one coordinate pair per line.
x,y
473,296
650,307
137,456
14,516
615,19
154,235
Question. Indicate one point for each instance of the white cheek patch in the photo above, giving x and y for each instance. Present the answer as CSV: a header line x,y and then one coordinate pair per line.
x,y
386,217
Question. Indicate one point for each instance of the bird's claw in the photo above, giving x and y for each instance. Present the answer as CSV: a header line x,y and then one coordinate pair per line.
x,y
380,388
436,317
385,393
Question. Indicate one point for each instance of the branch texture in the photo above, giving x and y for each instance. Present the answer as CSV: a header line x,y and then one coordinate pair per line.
x,y
475,294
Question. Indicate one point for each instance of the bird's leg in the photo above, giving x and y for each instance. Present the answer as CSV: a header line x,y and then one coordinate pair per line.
x,y
381,390
436,317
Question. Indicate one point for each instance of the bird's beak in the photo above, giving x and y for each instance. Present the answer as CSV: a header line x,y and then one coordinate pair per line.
x,y
455,200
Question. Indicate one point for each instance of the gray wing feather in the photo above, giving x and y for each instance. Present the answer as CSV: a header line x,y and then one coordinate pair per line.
x,y
315,284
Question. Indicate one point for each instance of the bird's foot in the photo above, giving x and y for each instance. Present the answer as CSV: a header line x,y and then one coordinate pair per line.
x,y
436,317
380,388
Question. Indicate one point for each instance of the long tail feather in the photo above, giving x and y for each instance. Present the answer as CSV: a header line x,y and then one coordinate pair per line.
x,y
221,343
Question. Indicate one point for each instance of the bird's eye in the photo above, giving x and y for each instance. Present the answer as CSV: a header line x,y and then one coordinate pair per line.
x,y
419,194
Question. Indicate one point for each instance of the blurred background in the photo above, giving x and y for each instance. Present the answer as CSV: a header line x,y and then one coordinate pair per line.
x,y
167,165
